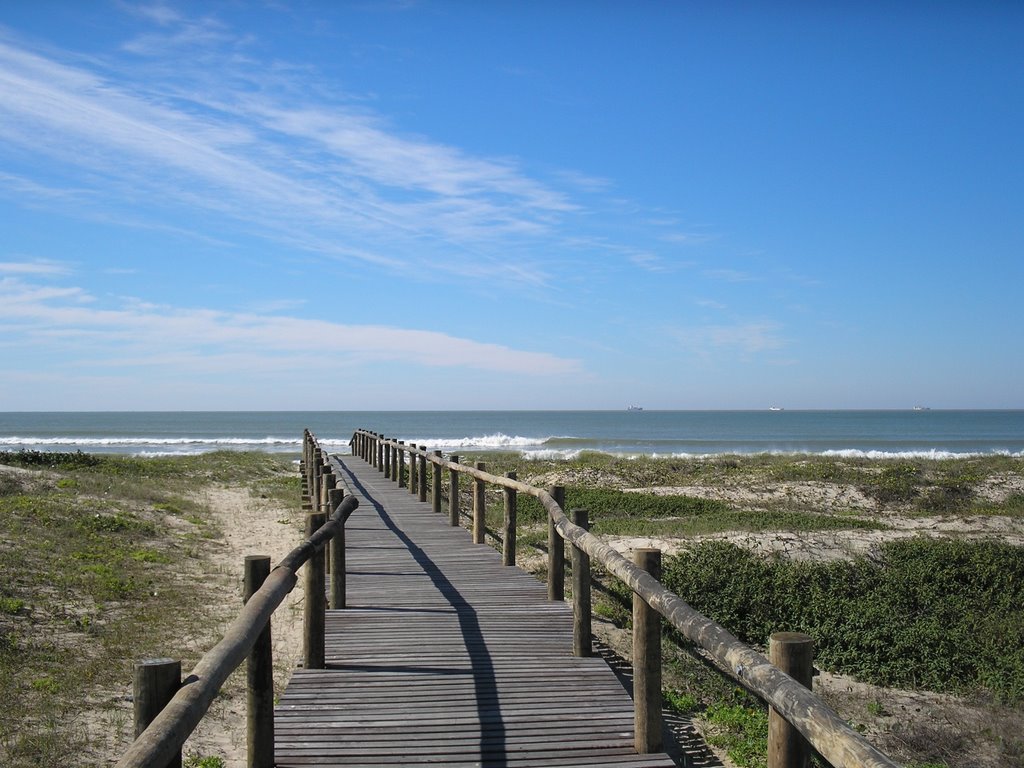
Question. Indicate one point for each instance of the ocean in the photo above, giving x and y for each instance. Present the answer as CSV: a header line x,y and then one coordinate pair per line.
x,y
541,434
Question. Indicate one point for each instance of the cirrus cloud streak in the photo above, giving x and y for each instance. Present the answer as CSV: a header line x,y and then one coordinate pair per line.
x,y
82,334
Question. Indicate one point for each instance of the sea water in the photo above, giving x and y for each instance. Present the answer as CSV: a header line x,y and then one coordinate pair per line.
x,y
541,434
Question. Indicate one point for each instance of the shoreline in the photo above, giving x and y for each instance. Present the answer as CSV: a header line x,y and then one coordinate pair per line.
x,y
538,434
470,447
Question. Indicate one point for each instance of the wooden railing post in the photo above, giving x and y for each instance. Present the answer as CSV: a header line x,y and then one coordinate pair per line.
x,y
556,551
380,453
156,682
453,493
647,661
435,485
259,676
414,474
508,533
337,550
582,637
386,461
329,482
793,653
479,506
309,472
423,475
316,469
401,464
315,600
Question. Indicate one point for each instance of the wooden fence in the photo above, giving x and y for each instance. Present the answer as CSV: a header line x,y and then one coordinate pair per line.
x,y
798,717
168,709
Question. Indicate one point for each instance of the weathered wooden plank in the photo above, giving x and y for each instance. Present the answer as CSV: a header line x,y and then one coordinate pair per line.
x,y
445,656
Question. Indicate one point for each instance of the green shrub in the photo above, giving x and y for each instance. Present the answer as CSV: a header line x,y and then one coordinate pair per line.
x,y
49,459
610,503
11,605
896,483
942,615
209,761
741,731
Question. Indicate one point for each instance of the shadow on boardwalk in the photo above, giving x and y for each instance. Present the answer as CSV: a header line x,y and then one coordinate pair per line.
x,y
492,727
444,656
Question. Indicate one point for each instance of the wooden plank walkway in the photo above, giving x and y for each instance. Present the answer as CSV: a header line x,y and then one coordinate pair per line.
x,y
446,657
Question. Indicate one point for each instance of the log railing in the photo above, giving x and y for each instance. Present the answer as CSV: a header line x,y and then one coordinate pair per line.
x,y
168,709
798,716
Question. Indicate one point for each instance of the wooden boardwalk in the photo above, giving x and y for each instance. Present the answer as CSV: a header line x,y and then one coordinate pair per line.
x,y
446,657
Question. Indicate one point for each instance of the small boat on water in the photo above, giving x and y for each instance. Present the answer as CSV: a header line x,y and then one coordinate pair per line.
x,y
634,408
775,408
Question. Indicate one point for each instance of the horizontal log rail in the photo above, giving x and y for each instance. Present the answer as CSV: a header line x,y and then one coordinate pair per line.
x,y
823,728
161,742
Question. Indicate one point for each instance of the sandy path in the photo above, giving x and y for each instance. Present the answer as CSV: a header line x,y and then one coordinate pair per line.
x,y
251,526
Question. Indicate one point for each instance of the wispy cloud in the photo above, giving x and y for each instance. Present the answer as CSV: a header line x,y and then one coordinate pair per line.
x,y
159,13
651,262
686,238
747,338
133,333
194,132
307,171
33,267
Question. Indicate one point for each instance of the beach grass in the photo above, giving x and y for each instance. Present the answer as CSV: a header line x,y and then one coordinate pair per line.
x,y
107,560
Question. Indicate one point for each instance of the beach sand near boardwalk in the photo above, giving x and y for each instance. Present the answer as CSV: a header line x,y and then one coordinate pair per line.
x,y
236,519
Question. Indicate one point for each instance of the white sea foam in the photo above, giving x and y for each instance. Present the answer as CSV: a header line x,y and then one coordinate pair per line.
x,y
930,454
130,441
541,455
846,453
161,454
549,454
493,442
531,448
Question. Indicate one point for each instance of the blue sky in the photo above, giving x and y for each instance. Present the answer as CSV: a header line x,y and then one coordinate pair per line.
x,y
401,205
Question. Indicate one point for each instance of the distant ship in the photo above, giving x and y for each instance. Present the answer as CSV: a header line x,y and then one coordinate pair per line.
x,y
775,408
921,408
634,408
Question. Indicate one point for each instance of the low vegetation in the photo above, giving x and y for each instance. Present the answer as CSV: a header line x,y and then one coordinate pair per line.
x,y
105,561
99,552
933,600
940,615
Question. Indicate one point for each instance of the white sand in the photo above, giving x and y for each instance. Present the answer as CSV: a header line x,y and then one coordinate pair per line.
x,y
251,526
